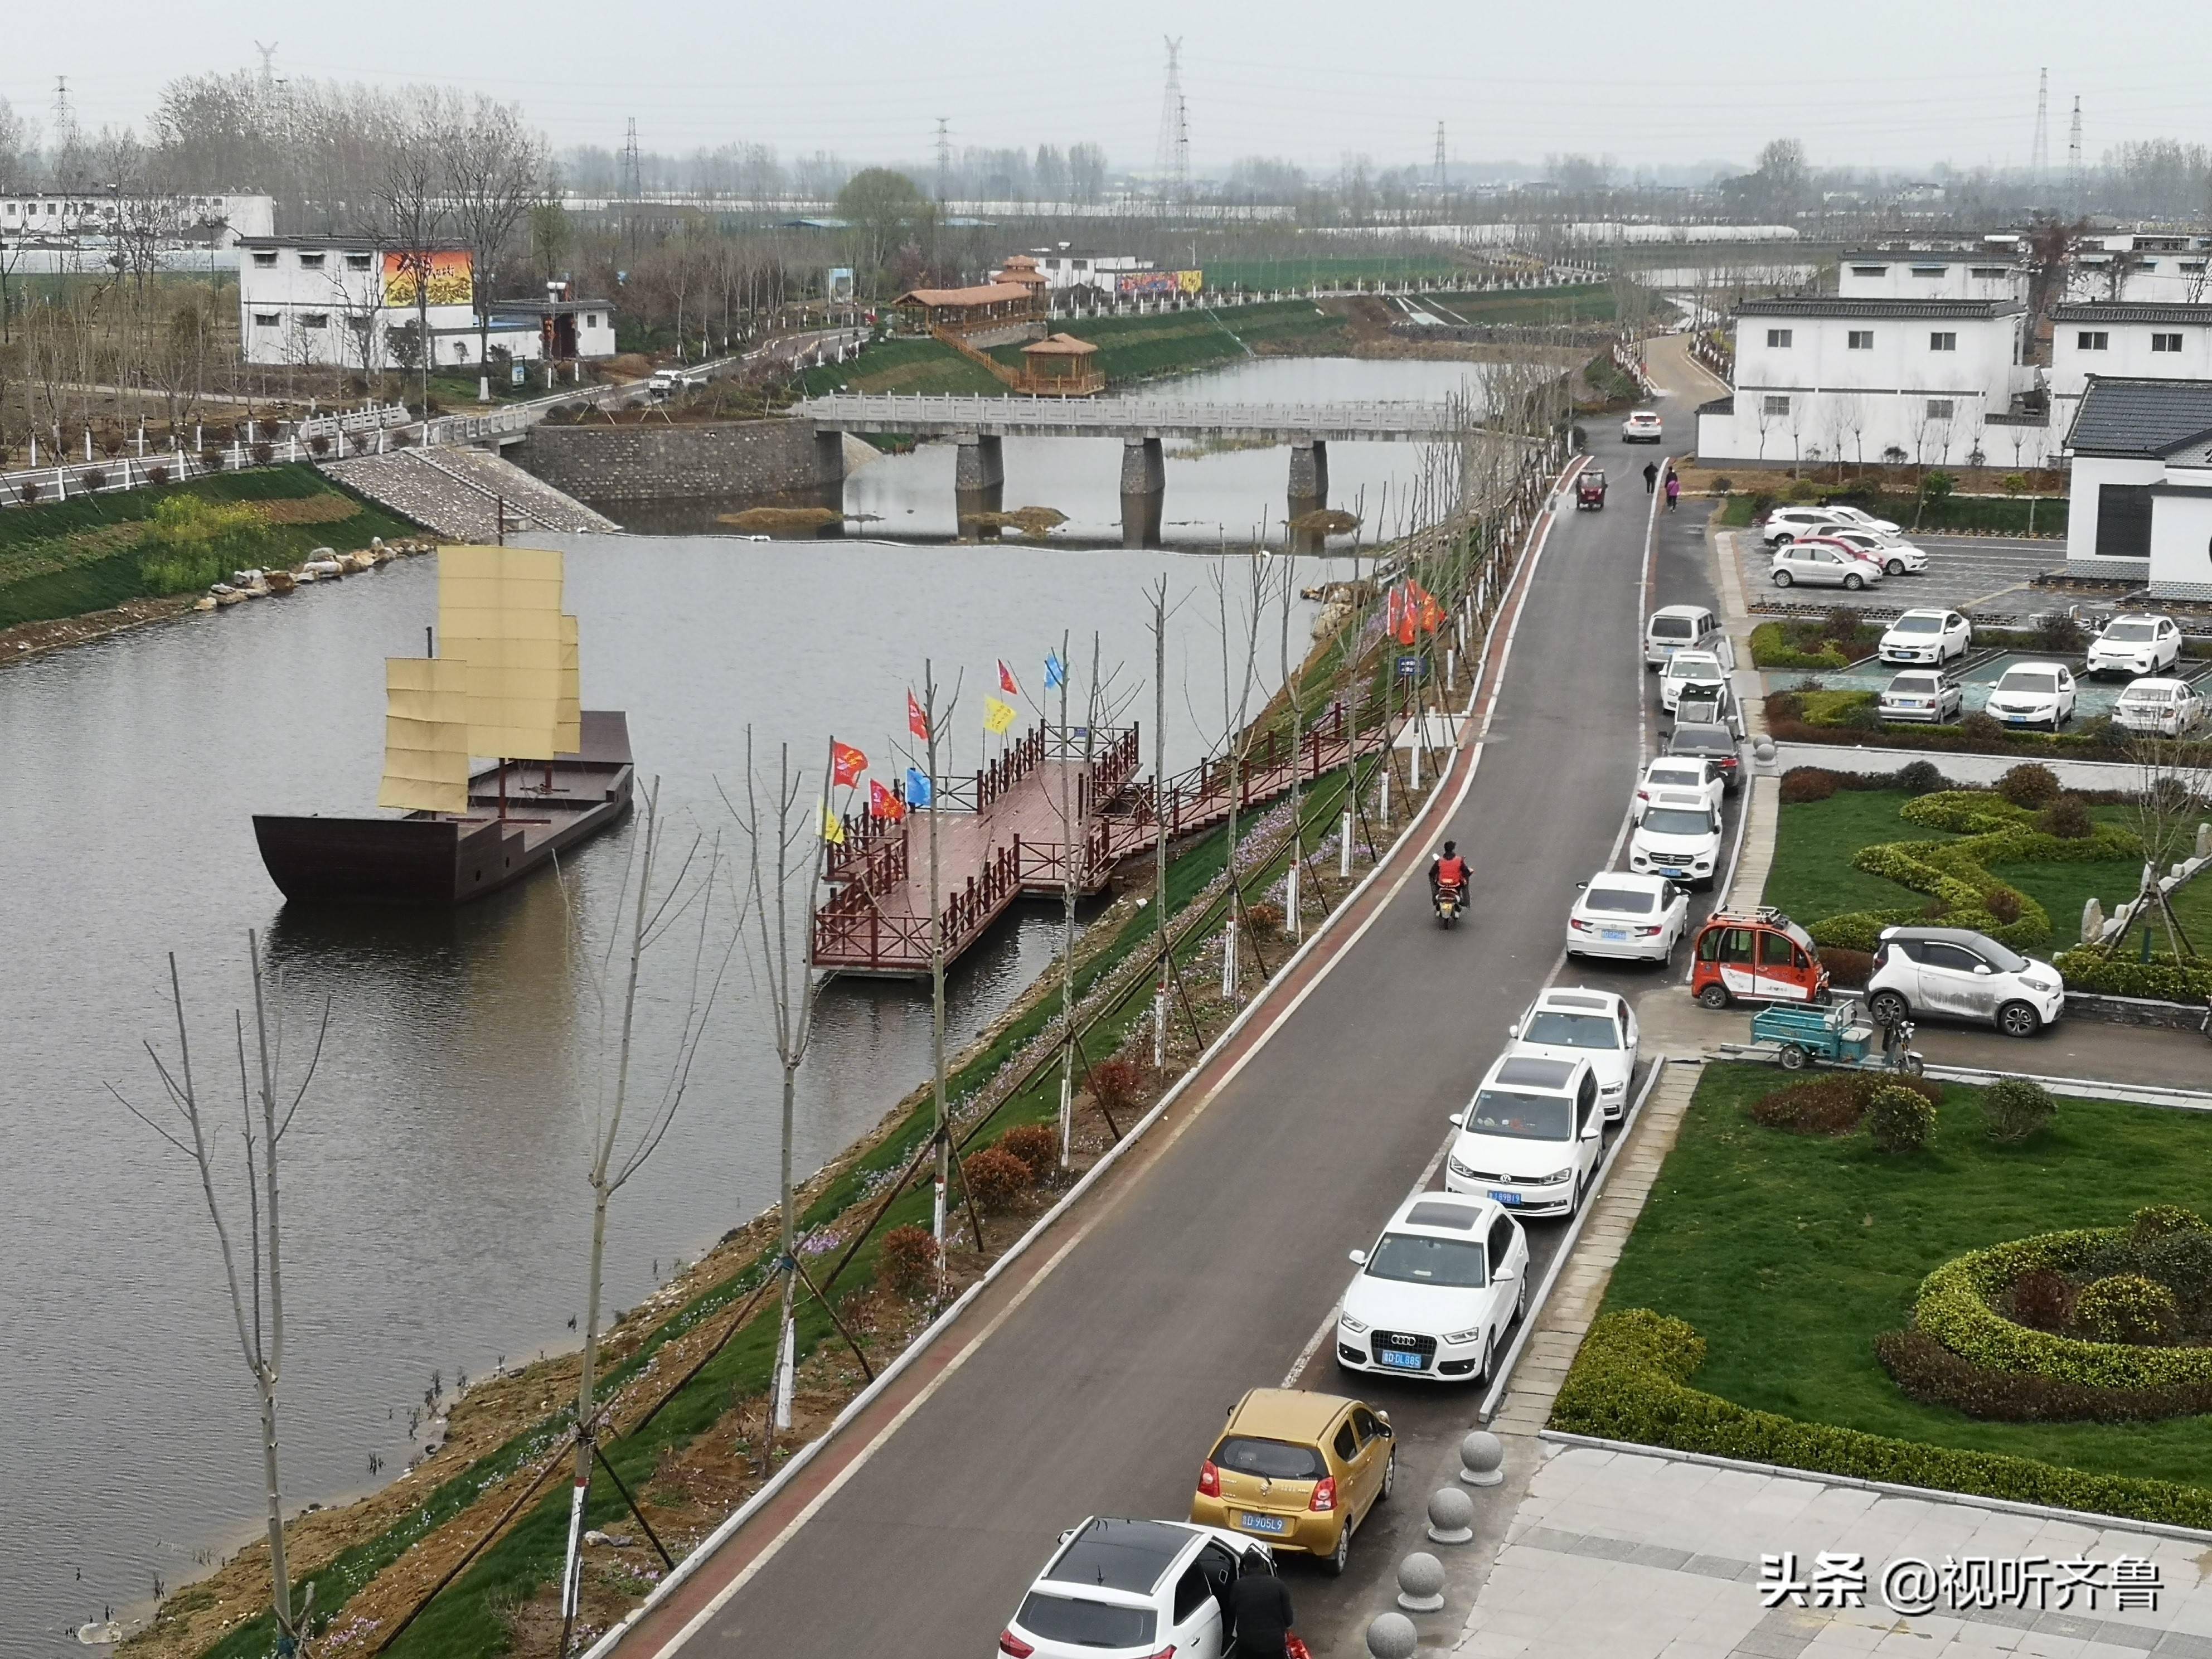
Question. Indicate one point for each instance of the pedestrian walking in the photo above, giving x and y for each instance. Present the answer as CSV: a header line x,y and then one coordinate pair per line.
x,y
1673,489
1651,476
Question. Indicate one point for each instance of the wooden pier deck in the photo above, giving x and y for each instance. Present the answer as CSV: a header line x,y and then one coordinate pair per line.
x,y
1000,835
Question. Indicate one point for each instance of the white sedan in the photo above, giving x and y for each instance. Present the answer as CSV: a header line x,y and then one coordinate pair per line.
x,y
1863,519
1822,564
1597,1026
1147,1586
1678,837
2033,693
1447,1277
2164,708
1926,636
1689,668
1895,557
1679,774
1639,918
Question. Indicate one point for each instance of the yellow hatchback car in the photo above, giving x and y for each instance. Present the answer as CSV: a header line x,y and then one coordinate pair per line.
x,y
1300,1470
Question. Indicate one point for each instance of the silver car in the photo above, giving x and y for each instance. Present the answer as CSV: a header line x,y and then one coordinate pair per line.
x,y
1920,694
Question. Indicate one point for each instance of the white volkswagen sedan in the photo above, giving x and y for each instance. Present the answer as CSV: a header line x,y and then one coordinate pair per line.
x,y
1446,1279
1818,564
1926,635
2161,707
1638,918
1571,1023
1132,1587
1530,1138
2033,693
1678,837
1679,774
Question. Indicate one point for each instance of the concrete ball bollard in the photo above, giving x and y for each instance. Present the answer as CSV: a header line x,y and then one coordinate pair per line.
x,y
1392,1636
1762,750
1451,1516
1482,1459
1421,1584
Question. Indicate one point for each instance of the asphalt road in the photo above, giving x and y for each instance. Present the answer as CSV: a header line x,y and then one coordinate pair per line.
x,y
1207,1273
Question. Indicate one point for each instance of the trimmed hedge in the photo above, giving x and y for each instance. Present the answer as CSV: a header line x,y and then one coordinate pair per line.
x,y
1925,1370
1631,1382
1991,829
1771,648
1955,1307
2160,978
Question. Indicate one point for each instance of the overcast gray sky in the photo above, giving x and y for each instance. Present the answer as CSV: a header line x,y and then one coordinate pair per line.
x,y
1899,83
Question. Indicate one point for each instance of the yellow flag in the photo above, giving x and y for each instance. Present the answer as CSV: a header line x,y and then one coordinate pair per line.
x,y
998,716
833,827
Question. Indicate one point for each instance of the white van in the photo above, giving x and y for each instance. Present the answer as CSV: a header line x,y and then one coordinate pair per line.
x,y
1678,627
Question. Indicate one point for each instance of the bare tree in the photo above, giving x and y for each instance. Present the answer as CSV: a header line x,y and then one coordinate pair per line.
x,y
411,202
2171,801
496,172
257,1304
646,917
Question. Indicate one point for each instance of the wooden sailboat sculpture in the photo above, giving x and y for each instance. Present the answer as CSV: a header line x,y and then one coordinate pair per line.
x,y
507,682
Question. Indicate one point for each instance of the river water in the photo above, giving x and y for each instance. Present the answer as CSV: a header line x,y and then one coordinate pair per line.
x,y
435,1206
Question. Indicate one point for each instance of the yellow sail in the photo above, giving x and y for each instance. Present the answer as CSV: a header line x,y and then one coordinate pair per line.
x,y
426,735
569,718
499,612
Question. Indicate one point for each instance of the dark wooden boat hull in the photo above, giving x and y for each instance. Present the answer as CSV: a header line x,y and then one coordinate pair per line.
x,y
425,859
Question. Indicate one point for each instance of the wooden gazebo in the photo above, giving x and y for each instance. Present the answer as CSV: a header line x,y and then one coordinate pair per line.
x,y
1061,366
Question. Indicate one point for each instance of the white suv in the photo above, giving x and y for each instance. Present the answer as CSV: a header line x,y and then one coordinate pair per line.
x,y
2136,644
1530,1138
1679,774
1643,427
1572,1023
1678,837
1822,564
1434,1296
2033,693
1687,668
1926,635
1146,1585
1963,974
1786,524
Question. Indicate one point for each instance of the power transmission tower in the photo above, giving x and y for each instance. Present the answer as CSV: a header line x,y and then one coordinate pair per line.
x,y
632,166
2073,148
268,64
2038,158
64,118
1171,161
1440,158
944,160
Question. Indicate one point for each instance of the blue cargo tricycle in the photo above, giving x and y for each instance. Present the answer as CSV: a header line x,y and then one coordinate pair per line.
x,y
1839,1033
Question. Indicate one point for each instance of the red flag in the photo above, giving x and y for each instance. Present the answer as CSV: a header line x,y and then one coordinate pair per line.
x,y
1390,614
846,762
882,804
1407,617
1006,682
1432,613
917,721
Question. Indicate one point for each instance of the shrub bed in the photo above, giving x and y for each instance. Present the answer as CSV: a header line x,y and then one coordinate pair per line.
x,y
1926,1371
1831,1105
2162,979
1772,647
1631,1381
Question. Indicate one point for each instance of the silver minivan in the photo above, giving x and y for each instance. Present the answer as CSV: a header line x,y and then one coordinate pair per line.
x,y
1678,627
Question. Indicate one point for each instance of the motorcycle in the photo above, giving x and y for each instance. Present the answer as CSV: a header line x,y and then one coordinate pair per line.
x,y
1450,899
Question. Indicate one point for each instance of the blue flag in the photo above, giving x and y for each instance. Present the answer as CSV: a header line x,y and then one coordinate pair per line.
x,y
918,792
1056,671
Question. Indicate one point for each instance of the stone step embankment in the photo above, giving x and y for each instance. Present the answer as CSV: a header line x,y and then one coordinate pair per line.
x,y
457,493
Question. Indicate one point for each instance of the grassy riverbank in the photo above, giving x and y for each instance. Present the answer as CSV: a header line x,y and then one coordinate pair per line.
x,y
95,552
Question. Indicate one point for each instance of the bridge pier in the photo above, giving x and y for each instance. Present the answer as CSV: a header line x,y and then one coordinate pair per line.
x,y
1144,491
982,464
1308,474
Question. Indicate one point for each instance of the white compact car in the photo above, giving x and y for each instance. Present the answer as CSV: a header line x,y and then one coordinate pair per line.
x,y
1962,975
1638,918
1689,668
2033,693
1678,837
1679,774
2161,708
1926,695
1895,557
2136,644
1131,1586
1643,427
1927,635
1822,564
1572,1023
1434,1297
1530,1138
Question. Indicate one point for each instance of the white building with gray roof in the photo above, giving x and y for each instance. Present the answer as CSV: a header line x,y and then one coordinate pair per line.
x,y
2141,506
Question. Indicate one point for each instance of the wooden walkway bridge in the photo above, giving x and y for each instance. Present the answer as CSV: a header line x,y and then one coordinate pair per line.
x,y
1001,834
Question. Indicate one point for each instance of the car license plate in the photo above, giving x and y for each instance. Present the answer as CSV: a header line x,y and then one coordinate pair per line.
x,y
1615,933
1673,874
2014,719
1499,1195
1277,1524
1404,1362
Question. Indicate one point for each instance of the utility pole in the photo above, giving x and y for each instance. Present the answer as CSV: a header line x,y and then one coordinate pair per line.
x,y
943,161
1171,158
2039,160
936,977
1440,158
2074,150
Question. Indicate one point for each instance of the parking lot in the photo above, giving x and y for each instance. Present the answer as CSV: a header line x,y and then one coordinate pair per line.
x,y
1966,573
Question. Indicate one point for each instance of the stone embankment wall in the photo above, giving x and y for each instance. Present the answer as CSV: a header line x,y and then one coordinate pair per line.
x,y
663,461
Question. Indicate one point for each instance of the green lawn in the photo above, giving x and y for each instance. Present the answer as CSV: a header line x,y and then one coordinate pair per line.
x,y
1812,876
1790,1254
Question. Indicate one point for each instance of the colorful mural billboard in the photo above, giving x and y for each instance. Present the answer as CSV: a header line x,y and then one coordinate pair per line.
x,y
451,283
1161,281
